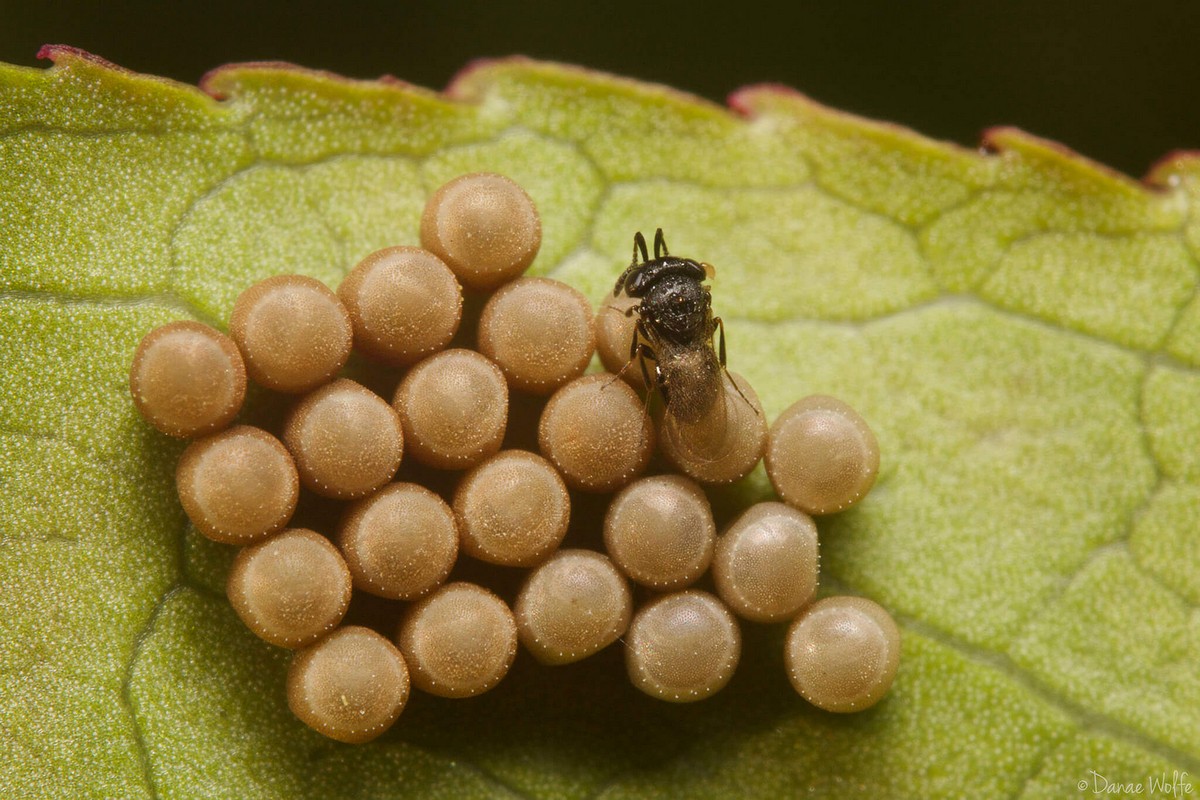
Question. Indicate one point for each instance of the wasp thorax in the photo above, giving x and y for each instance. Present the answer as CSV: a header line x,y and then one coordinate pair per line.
x,y
291,589
404,303
350,686
454,408
597,433
237,486
682,647
842,653
821,455
765,566
400,542
347,441
187,379
458,642
484,226
294,333
572,606
660,531
512,509
539,332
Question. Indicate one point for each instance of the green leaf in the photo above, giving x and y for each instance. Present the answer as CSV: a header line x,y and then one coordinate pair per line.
x,y
1020,326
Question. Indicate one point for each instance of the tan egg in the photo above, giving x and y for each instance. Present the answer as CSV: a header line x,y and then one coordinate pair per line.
x,y
400,542
597,433
293,332
347,441
484,226
454,409
737,442
682,647
350,686
660,532
187,379
614,334
237,486
404,304
573,605
291,589
459,641
821,455
842,653
539,332
765,566
512,509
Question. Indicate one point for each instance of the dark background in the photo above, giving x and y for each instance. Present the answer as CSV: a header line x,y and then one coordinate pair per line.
x,y
1117,81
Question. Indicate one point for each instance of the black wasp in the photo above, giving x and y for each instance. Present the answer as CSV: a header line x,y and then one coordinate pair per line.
x,y
674,332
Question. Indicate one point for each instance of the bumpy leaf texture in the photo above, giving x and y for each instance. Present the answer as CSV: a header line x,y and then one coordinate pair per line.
x,y
1020,326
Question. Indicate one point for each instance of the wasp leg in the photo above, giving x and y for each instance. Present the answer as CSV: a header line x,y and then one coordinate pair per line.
x,y
644,352
639,351
720,327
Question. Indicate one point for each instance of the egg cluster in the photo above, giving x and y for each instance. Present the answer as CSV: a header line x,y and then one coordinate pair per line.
x,y
439,472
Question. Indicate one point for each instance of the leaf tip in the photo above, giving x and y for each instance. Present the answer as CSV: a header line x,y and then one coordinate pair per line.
x,y
64,54
474,80
1003,139
1170,170
225,81
748,101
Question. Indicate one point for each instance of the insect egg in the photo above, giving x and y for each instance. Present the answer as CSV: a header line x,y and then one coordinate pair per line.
x,y
293,332
512,509
459,641
737,442
347,441
572,606
400,542
660,531
484,226
614,331
454,409
682,647
821,455
539,332
765,566
842,653
237,486
404,304
187,379
596,431
350,686
291,589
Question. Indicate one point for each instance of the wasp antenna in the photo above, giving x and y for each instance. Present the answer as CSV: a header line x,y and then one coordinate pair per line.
x,y
660,244
639,243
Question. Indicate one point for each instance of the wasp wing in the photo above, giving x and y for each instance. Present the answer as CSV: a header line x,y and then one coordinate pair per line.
x,y
696,421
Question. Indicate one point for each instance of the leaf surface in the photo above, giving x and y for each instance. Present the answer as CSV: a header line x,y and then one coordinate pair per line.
x,y
1021,328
